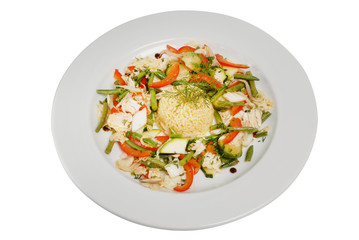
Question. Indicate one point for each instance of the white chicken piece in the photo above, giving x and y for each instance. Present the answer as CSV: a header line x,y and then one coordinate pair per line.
x,y
247,139
263,102
119,121
250,118
230,71
235,97
139,120
118,137
152,64
173,170
125,162
226,117
170,183
129,104
211,161
197,146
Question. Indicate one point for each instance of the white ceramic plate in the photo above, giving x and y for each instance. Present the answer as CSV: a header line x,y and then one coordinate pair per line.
x,y
210,202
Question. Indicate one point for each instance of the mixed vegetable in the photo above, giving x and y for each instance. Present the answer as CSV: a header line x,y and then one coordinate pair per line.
x,y
167,159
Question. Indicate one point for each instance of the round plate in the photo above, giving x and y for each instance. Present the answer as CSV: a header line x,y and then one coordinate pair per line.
x,y
210,202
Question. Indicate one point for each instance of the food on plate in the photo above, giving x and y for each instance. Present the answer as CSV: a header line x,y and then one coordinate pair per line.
x,y
183,111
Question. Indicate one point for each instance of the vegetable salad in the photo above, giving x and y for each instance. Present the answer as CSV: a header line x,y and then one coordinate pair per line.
x,y
161,156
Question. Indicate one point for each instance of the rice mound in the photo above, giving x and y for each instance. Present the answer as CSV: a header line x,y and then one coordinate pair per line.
x,y
187,119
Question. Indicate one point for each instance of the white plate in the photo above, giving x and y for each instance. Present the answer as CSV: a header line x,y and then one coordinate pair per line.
x,y
210,202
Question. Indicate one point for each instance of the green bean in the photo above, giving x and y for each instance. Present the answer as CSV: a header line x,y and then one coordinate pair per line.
x,y
122,95
153,100
246,129
134,135
150,120
161,75
245,77
236,88
138,137
150,79
222,105
265,115
229,164
150,142
186,158
149,164
218,94
157,162
217,117
141,75
252,85
218,125
109,147
212,138
135,146
110,91
249,154
260,134
103,117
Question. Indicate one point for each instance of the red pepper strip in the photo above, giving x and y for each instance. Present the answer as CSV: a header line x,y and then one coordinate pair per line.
x,y
236,109
205,78
189,179
204,59
210,148
186,49
133,152
224,62
196,166
131,68
172,49
140,144
118,76
172,74
235,122
162,139
114,110
143,83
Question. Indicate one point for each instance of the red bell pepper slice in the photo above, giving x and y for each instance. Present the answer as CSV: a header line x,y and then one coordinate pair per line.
x,y
210,148
224,62
236,109
131,68
162,139
196,166
133,152
143,83
172,74
180,50
205,78
186,49
172,49
118,76
235,122
189,179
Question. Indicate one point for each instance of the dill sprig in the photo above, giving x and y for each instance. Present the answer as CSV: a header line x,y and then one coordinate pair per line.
x,y
188,94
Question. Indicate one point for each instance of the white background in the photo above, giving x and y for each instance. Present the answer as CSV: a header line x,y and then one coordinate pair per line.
x,y
40,39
